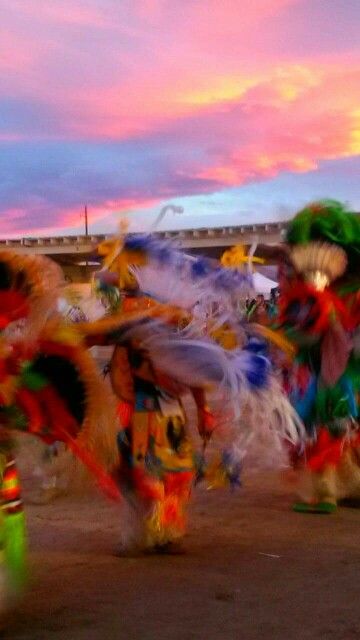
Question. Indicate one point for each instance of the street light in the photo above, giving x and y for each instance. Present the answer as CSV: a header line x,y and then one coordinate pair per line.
x,y
168,207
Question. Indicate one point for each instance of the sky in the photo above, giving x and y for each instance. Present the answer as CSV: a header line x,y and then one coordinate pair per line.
x,y
237,111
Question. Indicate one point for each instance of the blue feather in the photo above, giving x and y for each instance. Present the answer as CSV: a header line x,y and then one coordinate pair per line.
x,y
137,242
257,374
257,345
303,403
200,268
165,253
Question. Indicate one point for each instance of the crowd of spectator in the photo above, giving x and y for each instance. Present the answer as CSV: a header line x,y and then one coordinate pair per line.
x,y
263,311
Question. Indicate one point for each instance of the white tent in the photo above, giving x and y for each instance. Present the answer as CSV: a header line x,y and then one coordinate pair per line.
x,y
263,285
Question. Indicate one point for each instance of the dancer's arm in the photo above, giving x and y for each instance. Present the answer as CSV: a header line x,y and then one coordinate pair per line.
x,y
122,383
206,420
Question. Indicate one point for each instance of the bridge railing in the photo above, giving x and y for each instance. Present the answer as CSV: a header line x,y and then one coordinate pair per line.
x,y
187,238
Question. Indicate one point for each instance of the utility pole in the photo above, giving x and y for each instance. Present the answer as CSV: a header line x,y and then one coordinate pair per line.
x,y
86,222
86,234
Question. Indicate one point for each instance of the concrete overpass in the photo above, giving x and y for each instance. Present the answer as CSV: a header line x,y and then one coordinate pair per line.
x,y
77,254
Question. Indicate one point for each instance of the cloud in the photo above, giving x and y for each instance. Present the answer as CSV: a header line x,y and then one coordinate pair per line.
x,y
130,104
291,122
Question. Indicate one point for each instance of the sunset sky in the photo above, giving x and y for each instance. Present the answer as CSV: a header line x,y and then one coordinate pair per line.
x,y
237,110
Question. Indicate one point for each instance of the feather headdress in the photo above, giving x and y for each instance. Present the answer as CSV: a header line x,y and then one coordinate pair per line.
x,y
29,287
331,222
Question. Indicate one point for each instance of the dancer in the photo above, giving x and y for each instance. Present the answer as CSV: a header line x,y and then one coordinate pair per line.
x,y
49,387
320,311
261,430
157,459
155,364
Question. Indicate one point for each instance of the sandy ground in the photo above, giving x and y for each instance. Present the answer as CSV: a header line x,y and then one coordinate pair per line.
x,y
253,569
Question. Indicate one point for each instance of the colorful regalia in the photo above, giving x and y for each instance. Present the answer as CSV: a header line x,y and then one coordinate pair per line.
x,y
174,352
320,312
157,460
266,423
157,456
49,388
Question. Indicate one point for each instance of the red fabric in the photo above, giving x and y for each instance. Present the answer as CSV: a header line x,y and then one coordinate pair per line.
x,y
177,491
327,451
178,483
20,352
27,402
148,488
172,514
98,340
57,349
326,304
125,412
303,376
59,420
208,419
62,426
13,306
4,321
207,422
131,304
4,371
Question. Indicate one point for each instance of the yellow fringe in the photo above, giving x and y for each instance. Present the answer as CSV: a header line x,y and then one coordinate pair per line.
x,y
277,338
39,279
99,429
236,256
116,321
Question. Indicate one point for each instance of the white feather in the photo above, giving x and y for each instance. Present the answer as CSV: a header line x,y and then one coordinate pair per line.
x,y
174,284
166,286
264,428
259,423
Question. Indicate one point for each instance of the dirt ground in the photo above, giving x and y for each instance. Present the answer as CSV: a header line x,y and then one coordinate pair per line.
x,y
253,570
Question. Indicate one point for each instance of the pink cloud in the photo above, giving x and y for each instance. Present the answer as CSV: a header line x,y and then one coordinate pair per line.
x,y
41,11
17,223
282,124
128,68
200,95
